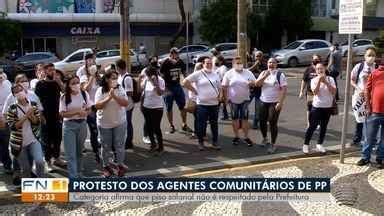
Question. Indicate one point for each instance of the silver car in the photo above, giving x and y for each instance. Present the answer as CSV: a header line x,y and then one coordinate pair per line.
x,y
359,46
186,53
300,52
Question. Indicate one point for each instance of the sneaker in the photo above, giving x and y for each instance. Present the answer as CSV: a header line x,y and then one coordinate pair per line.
x,y
121,170
153,148
271,149
193,136
235,141
201,146
320,148
215,147
248,141
107,172
146,140
48,166
379,164
363,162
60,162
185,128
172,129
306,149
265,142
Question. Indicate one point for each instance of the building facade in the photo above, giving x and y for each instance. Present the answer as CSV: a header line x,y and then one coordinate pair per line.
x,y
62,26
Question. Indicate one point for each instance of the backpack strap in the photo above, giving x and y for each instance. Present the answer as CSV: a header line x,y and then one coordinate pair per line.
x,y
278,76
84,96
361,67
123,82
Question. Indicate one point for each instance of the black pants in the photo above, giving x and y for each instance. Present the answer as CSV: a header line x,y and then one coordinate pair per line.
x,y
358,133
268,113
51,134
91,121
317,116
153,125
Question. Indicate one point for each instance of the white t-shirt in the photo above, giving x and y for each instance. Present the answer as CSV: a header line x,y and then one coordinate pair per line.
x,y
363,74
207,93
151,99
92,91
128,84
112,115
77,103
33,83
31,97
221,71
238,85
324,99
28,136
5,90
271,89
81,71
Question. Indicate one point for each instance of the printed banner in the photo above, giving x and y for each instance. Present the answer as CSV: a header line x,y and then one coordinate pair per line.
x,y
85,6
45,6
358,108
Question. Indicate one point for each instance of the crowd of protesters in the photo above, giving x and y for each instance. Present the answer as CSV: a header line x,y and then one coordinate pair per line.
x,y
55,108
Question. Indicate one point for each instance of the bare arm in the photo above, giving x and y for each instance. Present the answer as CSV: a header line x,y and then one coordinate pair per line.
x,y
260,81
317,88
88,85
101,104
330,87
188,85
302,87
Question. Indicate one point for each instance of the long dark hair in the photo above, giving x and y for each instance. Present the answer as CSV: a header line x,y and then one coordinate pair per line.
x,y
68,90
104,81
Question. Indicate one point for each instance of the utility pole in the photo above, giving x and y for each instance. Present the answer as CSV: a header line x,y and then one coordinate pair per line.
x,y
125,33
242,11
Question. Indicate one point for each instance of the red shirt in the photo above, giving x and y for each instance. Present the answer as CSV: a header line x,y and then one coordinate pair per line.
x,y
375,86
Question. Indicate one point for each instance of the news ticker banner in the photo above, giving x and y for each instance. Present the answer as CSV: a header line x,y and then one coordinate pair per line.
x,y
174,189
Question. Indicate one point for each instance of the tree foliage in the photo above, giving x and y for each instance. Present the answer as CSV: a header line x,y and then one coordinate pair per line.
x,y
10,33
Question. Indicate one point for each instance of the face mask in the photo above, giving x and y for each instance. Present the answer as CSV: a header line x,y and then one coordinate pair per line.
x,y
370,59
208,70
21,95
114,83
75,88
25,85
239,67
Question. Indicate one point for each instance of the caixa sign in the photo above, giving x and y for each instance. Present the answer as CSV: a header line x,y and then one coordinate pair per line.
x,y
85,31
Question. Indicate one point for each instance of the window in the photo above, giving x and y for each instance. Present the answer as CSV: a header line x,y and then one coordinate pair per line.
x,y
261,6
114,53
226,47
362,43
319,45
101,54
293,45
319,8
370,8
76,57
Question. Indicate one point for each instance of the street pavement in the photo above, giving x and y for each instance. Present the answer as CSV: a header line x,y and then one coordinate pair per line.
x,y
182,155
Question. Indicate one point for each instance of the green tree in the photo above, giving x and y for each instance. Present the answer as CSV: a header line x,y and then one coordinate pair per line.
x,y
218,21
10,32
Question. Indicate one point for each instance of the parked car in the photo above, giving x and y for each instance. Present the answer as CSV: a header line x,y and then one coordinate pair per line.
x,y
11,68
188,51
73,61
227,50
300,52
359,46
107,57
30,60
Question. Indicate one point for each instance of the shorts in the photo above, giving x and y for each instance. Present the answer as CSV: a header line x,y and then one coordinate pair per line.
x,y
240,111
175,93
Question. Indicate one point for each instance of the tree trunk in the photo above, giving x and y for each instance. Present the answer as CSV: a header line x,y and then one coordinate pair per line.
x,y
182,24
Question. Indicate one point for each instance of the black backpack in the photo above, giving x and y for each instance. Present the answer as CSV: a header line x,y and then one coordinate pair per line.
x,y
136,94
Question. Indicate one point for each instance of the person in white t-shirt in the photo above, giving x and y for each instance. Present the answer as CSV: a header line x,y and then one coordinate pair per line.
x,y
363,70
236,89
126,81
5,90
110,102
153,107
75,105
221,69
40,75
324,90
273,92
207,90
89,82
192,100
90,60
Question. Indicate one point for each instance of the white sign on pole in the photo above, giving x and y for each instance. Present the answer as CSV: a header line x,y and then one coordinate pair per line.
x,y
351,16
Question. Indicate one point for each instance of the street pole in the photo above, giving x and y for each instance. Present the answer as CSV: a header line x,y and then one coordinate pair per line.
x,y
187,41
125,33
242,11
346,99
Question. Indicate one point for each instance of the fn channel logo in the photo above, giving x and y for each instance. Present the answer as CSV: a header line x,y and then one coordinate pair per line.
x,y
44,189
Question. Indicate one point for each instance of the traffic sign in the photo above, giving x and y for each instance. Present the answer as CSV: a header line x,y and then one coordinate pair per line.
x,y
351,16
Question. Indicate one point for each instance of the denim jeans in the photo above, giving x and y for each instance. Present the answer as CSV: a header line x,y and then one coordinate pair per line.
x,y
74,134
91,121
31,152
128,141
256,117
204,114
113,137
4,150
374,123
